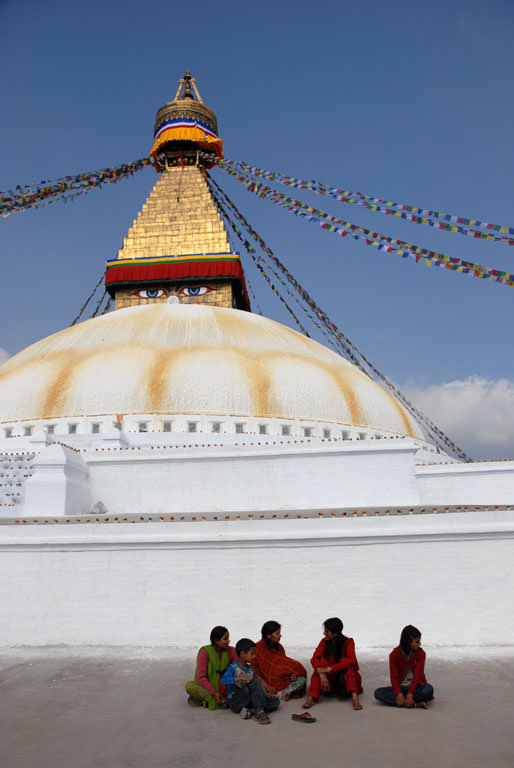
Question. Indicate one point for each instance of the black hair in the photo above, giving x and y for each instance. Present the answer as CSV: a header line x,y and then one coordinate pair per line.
x,y
244,645
267,629
217,633
409,633
335,647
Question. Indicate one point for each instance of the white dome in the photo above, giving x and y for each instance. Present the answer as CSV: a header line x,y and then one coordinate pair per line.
x,y
192,359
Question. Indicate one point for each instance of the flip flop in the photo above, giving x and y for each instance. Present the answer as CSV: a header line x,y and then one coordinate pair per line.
x,y
306,717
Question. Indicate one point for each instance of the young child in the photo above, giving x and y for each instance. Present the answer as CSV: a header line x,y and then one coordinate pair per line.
x,y
245,694
409,687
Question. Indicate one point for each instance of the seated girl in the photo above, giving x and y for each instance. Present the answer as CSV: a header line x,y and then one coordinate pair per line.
x,y
280,675
212,661
409,687
336,671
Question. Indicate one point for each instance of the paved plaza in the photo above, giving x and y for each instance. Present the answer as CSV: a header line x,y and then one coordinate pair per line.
x,y
127,709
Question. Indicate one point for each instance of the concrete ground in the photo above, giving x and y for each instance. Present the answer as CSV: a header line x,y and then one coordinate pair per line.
x,y
114,709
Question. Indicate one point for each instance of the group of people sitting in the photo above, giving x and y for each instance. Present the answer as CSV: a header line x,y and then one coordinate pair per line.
x,y
253,678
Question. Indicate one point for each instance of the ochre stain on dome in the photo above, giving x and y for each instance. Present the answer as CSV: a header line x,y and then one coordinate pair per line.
x,y
157,379
192,359
405,417
57,390
349,394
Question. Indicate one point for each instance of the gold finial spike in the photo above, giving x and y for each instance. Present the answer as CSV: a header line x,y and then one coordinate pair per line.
x,y
186,86
188,93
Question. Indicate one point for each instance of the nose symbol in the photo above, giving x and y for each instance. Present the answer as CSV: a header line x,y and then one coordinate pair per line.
x,y
173,300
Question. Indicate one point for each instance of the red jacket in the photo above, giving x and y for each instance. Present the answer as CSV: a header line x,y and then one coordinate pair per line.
x,y
348,657
399,664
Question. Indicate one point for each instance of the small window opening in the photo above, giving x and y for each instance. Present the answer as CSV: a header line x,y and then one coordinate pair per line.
x,y
216,427
72,429
326,433
286,429
166,426
240,428
191,426
142,426
95,428
263,429
307,431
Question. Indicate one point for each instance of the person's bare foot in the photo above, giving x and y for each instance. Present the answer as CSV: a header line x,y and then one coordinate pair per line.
x,y
287,697
355,701
421,705
307,704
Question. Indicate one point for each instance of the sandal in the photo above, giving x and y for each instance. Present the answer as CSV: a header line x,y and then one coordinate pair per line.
x,y
263,719
305,718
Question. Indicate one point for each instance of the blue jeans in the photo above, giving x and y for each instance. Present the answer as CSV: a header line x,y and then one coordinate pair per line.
x,y
251,695
423,692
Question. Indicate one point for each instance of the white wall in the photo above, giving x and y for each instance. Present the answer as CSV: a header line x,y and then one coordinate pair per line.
x,y
169,583
203,481
478,483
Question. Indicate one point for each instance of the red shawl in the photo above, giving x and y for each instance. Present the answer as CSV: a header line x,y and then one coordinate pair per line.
x,y
275,667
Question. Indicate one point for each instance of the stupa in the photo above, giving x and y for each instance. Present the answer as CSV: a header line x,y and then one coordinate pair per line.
x,y
183,421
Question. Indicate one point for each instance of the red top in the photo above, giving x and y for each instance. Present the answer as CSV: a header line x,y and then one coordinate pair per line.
x,y
348,657
275,667
399,664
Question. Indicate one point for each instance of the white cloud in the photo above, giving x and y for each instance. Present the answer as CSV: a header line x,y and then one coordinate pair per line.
x,y
3,355
477,413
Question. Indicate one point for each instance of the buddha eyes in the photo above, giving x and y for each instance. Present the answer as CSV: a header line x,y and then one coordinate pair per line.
x,y
157,293
150,293
197,290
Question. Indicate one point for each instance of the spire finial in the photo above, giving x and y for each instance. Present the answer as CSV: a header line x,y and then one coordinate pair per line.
x,y
186,86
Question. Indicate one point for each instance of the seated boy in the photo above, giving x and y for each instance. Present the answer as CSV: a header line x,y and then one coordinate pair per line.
x,y
245,694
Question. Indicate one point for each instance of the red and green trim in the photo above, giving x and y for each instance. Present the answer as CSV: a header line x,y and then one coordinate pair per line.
x,y
217,266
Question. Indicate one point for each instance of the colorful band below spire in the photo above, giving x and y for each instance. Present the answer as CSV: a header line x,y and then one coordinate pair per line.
x,y
187,130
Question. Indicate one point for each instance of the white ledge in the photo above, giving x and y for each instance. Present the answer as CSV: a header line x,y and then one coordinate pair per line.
x,y
453,526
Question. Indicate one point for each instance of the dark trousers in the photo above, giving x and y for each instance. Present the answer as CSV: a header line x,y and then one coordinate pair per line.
x,y
423,692
337,686
252,696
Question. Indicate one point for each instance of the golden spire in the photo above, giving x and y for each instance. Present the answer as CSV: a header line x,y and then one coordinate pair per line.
x,y
178,248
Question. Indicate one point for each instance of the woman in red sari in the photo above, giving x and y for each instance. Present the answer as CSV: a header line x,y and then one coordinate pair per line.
x,y
280,675
336,670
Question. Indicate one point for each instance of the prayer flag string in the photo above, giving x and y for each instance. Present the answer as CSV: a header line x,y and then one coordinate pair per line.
x,y
449,222
83,307
39,195
375,239
350,350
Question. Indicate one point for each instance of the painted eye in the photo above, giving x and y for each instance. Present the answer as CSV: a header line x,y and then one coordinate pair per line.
x,y
150,293
196,290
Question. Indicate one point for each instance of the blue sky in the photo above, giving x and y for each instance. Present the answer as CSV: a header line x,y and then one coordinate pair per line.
x,y
411,101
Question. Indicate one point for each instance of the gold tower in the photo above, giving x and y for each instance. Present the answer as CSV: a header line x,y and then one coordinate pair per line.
x,y
177,249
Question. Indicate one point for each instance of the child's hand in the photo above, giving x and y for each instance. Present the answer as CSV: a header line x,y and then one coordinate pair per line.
x,y
400,700
410,700
293,676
